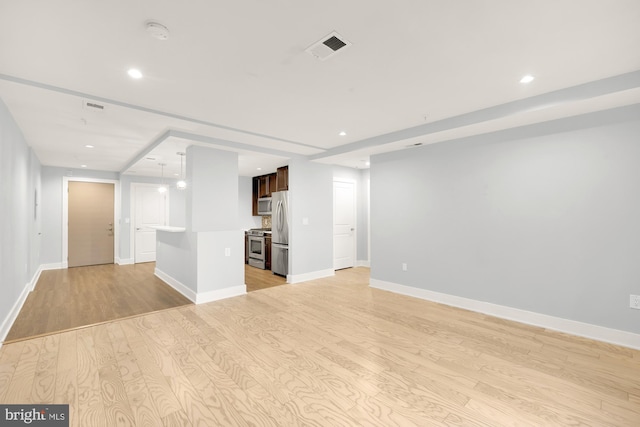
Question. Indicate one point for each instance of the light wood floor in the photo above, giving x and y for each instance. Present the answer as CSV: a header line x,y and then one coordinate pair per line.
x,y
257,279
330,352
81,296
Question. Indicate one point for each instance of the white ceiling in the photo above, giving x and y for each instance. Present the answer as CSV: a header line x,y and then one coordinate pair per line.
x,y
235,75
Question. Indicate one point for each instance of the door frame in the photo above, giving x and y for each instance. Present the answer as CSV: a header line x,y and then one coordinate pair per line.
x,y
355,216
65,215
132,210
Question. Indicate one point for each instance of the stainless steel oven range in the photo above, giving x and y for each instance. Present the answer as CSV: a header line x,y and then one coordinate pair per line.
x,y
257,251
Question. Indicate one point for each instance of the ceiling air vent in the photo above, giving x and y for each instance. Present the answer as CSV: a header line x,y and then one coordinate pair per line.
x,y
328,46
92,106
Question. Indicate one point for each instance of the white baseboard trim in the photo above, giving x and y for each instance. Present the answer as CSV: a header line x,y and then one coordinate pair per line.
x,y
125,261
219,294
363,263
52,266
176,284
34,279
586,330
15,310
200,298
305,277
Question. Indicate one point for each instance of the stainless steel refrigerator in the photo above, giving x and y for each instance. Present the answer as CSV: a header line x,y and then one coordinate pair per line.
x,y
280,233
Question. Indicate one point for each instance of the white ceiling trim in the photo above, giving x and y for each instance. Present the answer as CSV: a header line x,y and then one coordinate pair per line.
x,y
233,145
588,90
65,91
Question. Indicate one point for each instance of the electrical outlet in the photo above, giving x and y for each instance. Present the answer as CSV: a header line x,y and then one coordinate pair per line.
x,y
404,266
634,301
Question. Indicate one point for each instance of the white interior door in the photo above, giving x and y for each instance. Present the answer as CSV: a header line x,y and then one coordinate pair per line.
x,y
344,220
151,208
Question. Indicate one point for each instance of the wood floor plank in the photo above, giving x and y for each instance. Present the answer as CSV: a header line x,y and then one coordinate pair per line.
x,y
90,405
66,393
157,384
19,389
44,380
144,410
66,385
331,351
176,419
9,357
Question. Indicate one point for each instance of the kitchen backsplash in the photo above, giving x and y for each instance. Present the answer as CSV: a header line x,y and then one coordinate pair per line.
x,y
266,221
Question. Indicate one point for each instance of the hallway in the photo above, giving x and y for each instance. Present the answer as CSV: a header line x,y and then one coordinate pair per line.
x,y
82,296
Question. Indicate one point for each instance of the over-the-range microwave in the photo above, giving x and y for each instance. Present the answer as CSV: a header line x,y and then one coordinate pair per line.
x,y
264,206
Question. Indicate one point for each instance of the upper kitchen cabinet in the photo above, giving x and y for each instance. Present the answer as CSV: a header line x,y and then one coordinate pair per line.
x,y
272,183
282,178
264,185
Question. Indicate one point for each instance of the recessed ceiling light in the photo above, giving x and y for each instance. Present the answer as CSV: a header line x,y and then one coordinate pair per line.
x,y
527,79
83,166
343,133
88,146
259,169
367,163
176,174
134,73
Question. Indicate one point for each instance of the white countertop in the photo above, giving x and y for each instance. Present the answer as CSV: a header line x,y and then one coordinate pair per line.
x,y
168,228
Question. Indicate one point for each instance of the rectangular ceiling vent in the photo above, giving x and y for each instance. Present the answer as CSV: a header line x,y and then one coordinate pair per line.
x,y
328,46
92,106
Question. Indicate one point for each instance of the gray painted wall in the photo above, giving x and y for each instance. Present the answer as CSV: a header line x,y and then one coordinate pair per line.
x,y
548,224
215,270
212,212
177,256
19,219
311,197
212,196
52,207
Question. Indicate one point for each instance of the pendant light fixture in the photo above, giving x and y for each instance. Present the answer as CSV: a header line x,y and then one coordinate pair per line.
x,y
181,184
162,188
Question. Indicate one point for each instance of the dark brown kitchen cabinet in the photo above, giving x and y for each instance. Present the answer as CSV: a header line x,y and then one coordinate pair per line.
x,y
246,248
282,178
256,191
272,183
266,184
267,252
263,186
